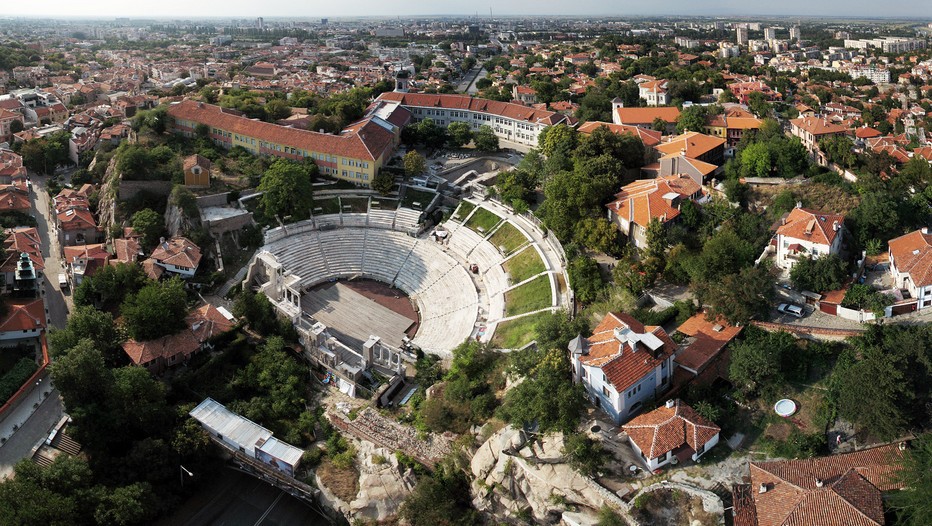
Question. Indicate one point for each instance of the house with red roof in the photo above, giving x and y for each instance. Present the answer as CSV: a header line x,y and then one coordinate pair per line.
x,y
654,93
691,153
19,241
671,433
911,265
811,130
202,326
808,233
645,117
838,490
178,255
646,200
623,364
82,261
25,318
703,355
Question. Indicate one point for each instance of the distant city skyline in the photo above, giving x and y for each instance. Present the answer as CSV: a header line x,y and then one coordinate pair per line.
x,y
178,9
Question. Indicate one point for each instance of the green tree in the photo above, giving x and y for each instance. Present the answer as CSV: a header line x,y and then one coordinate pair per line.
x,y
86,322
820,274
659,125
758,104
277,109
383,182
657,242
585,278
459,134
415,164
149,224
624,147
756,362
913,505
692,118
485,139
598,234
126,506
108,287
434,137
440,499
742,297
547,396
558,139
287,190
585,454
156,310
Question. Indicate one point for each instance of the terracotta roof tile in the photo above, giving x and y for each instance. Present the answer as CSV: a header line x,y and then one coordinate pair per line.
x,y
646,116
912,253
23,315
817,126
667,428
178,251
465,102
648,137
643,200
838,490
707,341
811,225
623,366
695,144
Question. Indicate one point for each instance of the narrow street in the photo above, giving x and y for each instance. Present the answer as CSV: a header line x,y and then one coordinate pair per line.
x,y
58,304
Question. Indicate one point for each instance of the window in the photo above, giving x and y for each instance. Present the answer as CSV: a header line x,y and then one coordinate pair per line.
x,y
605,391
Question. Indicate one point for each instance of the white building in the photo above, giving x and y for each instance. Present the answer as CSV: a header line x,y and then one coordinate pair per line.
x,y
623,364
178,255
243,435
654,93
742,35
911,265
672,431
808,233
510,122
877,75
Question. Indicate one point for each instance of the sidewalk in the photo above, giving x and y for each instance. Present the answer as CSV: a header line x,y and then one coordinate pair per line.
x,y
34,416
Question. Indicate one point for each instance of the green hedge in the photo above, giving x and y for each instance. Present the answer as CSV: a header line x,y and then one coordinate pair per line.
x,y
16,377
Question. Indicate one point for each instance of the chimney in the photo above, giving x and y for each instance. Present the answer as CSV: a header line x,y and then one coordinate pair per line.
x,y
835,226
799,204
924,230
763,488
819,483
670,404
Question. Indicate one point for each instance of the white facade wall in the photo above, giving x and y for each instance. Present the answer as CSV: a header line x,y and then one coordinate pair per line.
x,y
812,249
621,406
521,132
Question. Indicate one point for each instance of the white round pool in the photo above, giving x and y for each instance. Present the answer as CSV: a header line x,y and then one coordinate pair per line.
x,y
785,407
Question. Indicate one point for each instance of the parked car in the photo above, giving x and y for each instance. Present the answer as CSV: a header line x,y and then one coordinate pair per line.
x,y
792,309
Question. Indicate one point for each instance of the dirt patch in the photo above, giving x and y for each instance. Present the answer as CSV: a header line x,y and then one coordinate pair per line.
x,y
344,483
389,297
670,507
823,197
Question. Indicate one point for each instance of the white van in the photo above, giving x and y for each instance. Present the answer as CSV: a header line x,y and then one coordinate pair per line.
x,y
62,281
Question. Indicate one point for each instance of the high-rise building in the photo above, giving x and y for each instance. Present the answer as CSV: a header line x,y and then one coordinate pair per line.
x,y
742,34
260,23
795,33
770,33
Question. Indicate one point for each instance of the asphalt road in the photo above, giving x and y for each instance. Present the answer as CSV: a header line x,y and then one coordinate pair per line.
x,y
58,304
33,431
236,499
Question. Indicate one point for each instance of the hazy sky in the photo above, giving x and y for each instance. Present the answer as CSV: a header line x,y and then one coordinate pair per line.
x,y
316,8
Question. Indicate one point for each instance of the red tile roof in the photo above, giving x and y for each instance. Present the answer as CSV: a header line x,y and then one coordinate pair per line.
x,y
622,365
694,144
178,251
23,315
643,200
838,490
818,126
201,325
365,142
14,199
811,225
912,253
19,240
707,341
646,116
668,428
648,137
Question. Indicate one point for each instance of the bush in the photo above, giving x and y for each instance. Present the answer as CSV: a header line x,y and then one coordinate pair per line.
x,y
16,377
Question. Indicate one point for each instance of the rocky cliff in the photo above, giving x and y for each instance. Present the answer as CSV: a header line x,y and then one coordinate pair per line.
x,y
515,477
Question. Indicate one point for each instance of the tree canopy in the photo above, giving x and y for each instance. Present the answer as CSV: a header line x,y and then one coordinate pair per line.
x,y
287,190
158,309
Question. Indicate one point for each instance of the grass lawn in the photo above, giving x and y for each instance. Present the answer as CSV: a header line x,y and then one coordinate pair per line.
x,y
526,264
483,221
507,239
462,211
533,295
359,205
330,205
417,199
513,334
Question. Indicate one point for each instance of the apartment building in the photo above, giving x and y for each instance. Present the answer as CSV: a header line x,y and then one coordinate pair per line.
x,y
510,122
356,155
